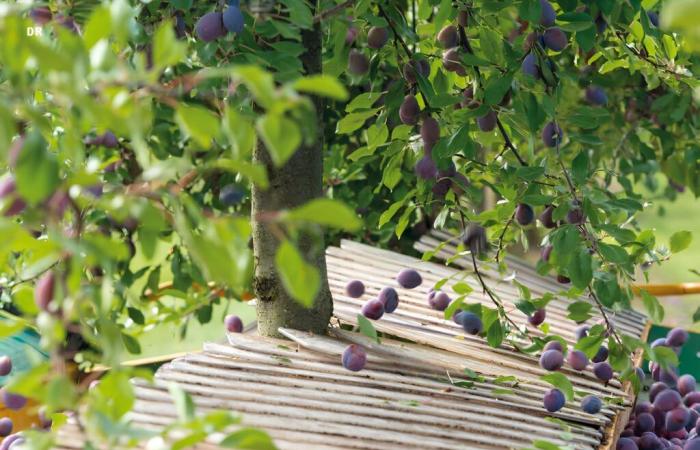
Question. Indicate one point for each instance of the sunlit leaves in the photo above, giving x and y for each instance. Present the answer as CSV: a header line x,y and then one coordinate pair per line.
x,y
37,170
199,123
280,135
167,50
653,307
300,278
326,212
680,240
322,85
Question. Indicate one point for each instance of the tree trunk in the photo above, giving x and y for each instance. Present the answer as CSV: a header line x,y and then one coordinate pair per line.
x,y
295,183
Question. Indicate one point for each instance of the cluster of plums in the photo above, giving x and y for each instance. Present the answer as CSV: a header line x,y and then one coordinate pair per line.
x,y
215,25
14,402
358,63
670,419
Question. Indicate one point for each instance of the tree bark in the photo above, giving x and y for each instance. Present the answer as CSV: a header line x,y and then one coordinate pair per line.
x,y
295,183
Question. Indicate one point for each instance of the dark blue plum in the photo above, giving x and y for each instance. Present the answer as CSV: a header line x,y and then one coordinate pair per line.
x,y
537,318
677,337
5,365
591,404
554,400
524,214
554,345
529,66
426,168
373,309
603,371
13,401
390,298
409,278
233,323
667,400
438,300
653,18
5,426
355,288
231,195
577,360
626,443
354,358
555,39
581,332
547,16
644,422
210,27
677,418
551,360
471,323
601,355
552,135
233,19
595,95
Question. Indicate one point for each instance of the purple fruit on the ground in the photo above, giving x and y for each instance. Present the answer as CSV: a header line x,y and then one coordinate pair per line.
x,y
471,323
563,279
642,407
681,434
488,121
601,355
595,95
625,443
677,337
373,309
555,39
44,291
551,360
553,345
577,360
656,389
537,318
5,426
452,61
668,376
603,371
390,298
355,288
581,332
430,133
457,317
210,27
233,323
233,19
667,400
409,278
575,216
546,217
692,444
475,238
677,418
5,365
691,398
438,300
643,423
409,109
13,401
552,135
546,252
547,15
524,214
377,37
529,66
358,64
649,441
354,358
426,168
448,37
591,404
694,419
554,400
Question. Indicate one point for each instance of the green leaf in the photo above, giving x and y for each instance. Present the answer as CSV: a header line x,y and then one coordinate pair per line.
x,y
581,269
131,344
326,212
561,382
680,240
199,123
496,89
248,439
494,335
322,85
37,170
301,279
462,288
280,135
167,50
653,307
590,344
579,311
665,356
184,406
259,82
354,121
367,328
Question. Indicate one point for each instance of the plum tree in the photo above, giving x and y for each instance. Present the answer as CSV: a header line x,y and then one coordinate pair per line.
x,y
448,36
524,214
552,135
554,400
577,360
471,323
233,323
5,365
555,39
537,318
551,360
390,298
409,278
210,27
373,309
409,109
439,300
355,288
591,404
377,37
354,358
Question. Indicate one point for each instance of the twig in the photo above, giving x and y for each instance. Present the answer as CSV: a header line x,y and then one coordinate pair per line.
x,y
333,10
500,238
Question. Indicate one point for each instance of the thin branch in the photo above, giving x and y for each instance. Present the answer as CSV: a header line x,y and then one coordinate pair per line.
x,y
500,238
333,10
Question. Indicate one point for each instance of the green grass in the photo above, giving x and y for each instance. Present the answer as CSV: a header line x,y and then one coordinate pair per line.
x,y
666,218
